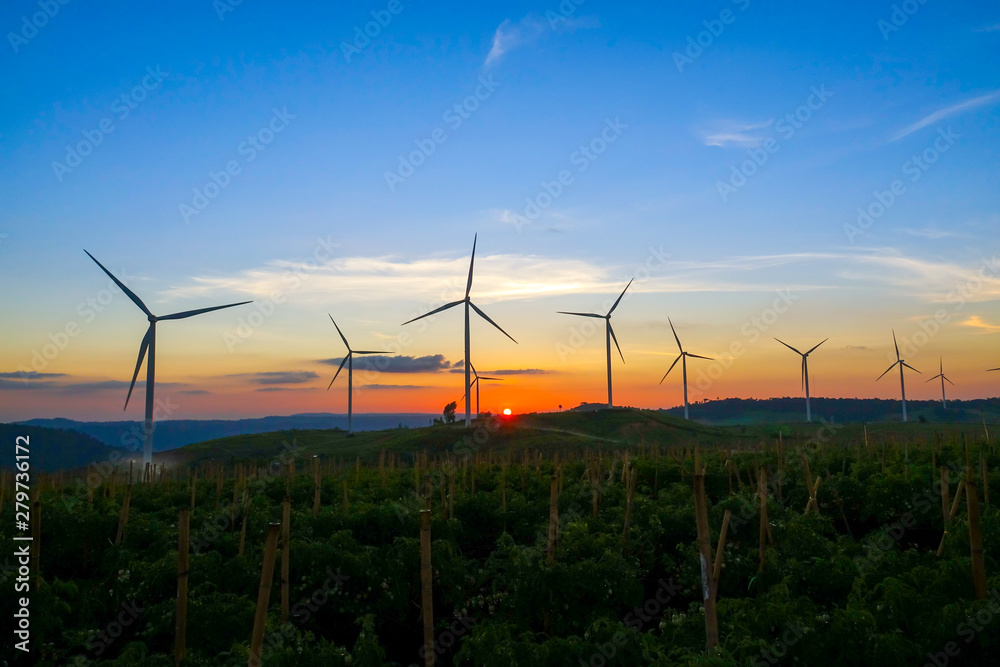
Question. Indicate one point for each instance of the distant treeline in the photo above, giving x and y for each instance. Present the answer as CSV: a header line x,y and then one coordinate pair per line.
x,y
752,410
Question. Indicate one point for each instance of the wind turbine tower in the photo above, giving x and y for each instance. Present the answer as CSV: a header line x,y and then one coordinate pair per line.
x,y
902,364
805,372
682,357
609,334
468,347
349,360
149,344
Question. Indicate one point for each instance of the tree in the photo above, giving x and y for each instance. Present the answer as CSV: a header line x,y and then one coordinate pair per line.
x,y
449,412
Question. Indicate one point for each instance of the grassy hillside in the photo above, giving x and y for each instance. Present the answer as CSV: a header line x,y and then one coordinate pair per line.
x,y
549,432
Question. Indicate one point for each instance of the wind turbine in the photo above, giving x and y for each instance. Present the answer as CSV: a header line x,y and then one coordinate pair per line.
x,y
149,343
468,304
682,357
349,360
805,372
476,382
609,334
899,362
943,377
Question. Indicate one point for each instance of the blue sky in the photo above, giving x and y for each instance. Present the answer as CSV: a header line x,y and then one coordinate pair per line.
x,y
557,76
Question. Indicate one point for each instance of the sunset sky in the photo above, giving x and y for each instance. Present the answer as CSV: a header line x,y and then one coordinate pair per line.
x,y
799,170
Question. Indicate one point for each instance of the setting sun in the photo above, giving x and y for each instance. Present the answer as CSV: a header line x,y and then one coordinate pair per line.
x,y
506,411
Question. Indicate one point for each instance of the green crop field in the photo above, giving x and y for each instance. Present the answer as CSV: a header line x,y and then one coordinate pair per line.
x,y
556,539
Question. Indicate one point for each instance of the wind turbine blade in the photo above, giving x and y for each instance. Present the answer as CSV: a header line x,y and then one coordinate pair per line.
x,y
620,298
612,331
671,368
436,310
820,343
895,343
948,381
563,312
346,344
803,372
483,377
886,371
468,287
675,336
370,351
696,356
910,367
191,313
788,346
340,368
143,346
990,370
934,378
129,293
486,317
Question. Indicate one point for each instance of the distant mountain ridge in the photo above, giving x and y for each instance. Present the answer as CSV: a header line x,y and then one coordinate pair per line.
x,y
53,449
174,433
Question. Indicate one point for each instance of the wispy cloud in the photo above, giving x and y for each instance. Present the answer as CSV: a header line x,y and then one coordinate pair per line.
x,y
930,233
274,389
947,112
976,322
381,387
278,377
508,371
30,375
510,35
989,28
431,363
735,133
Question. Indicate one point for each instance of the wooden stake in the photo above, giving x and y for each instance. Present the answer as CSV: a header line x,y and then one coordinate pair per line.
x,y
721,548
629,503
263,595
316,485
550,549
975,537
764,522
426,575
951,515
180,627
945,492
286,520
705,555
246,516
123,517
